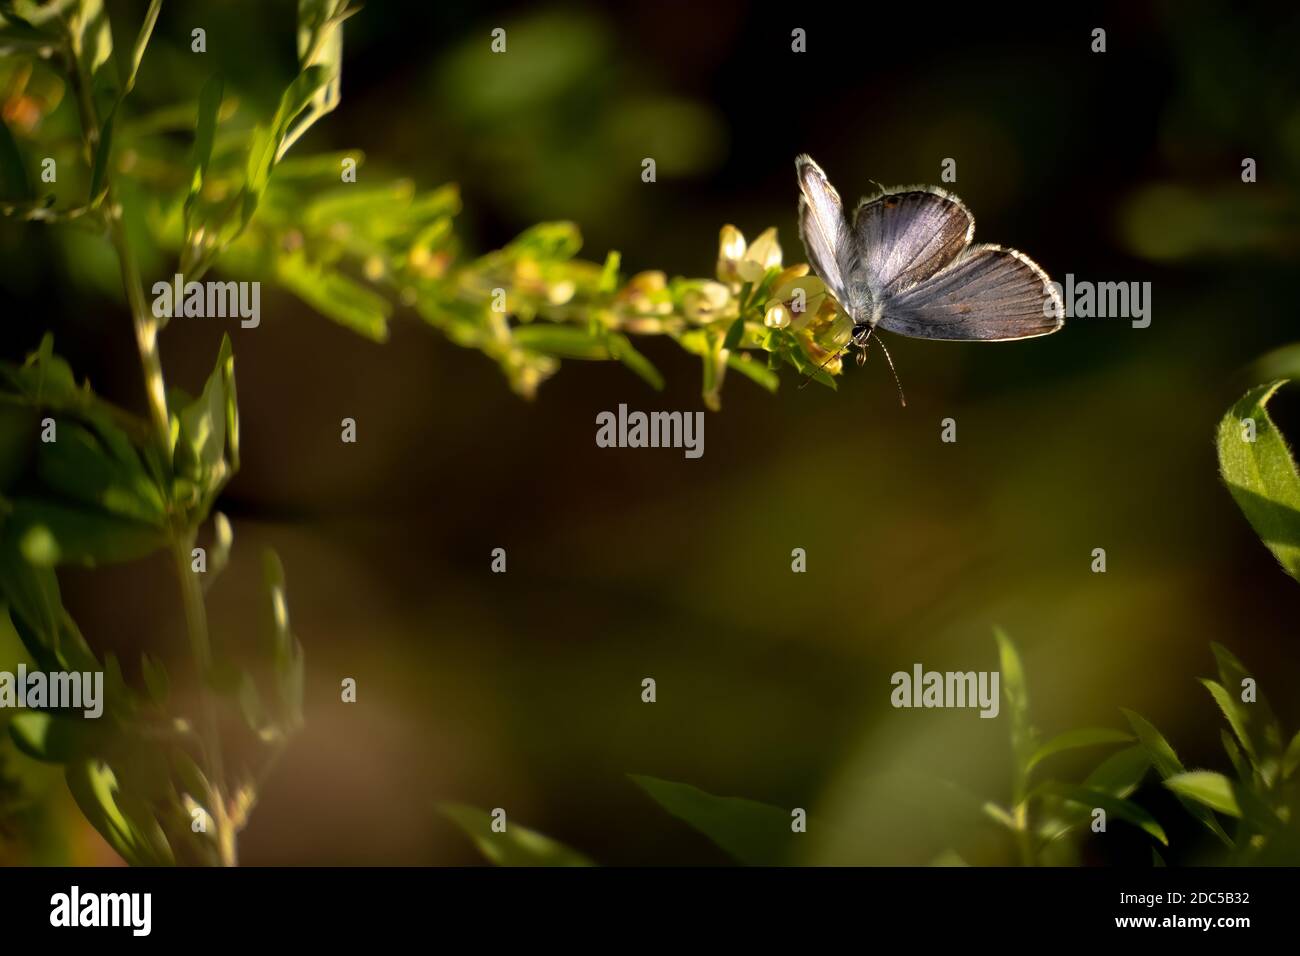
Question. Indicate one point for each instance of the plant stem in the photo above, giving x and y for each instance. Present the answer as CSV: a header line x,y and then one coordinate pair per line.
x,y
196,625
182,535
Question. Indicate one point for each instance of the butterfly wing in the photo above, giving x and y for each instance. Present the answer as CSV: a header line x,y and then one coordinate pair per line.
x,y
823,228
988,294
906,235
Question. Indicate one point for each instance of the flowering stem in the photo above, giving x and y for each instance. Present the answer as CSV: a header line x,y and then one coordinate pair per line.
x,y
181,534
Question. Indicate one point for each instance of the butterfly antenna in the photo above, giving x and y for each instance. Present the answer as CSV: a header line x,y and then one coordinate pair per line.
x,y
821,368
901,399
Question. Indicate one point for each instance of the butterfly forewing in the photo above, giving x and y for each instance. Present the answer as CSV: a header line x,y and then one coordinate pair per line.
x,y
823,228
907,235
988,294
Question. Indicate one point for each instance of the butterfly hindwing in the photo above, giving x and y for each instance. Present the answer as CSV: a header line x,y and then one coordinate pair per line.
x,y
988,294
906,235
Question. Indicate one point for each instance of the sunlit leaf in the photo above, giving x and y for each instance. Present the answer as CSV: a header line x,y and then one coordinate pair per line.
x,y
141,42
1167,764
609,273
336,297
1114,806
1121,772
206,431
94,786
205,130
1291,760
265,150
622,350
754,371
1074,739
754,833
49,534
1207,788
1235,756
1261,475
1257,717
1016,692
54,738
517,846
1231,711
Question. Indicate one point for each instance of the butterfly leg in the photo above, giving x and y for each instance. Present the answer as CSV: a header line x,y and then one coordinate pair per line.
x,y
862,339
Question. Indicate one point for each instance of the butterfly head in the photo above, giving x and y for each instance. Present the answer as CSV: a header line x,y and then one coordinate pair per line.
x,y
861,307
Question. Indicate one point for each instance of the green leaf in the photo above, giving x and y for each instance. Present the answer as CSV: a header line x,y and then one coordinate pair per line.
x,y
1121,772
1074,739
562,341
53,738
92,38
219,554
201,447
205,131
608,283
1168,765
103,155
715,368
1262,477
155,679
1239,763
336,297
1114,806
734,333
320,44
621,348
8,11
287,658
360,206
265,150
35,605
1016,692
100,470
517,846
207,441
49,534
569,341
141,41
756,834
754,371
1157,747
1257,718
95,788
546,242
1291,760
1236,720
1207,788
36,611
14,183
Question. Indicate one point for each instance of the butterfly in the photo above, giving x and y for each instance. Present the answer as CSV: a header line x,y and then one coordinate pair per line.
x,y
904,262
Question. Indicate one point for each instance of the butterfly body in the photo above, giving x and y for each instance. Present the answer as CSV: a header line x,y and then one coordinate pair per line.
x,y
904,261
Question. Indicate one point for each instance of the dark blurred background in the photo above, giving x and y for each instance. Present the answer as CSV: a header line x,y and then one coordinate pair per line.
x,y
523,690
